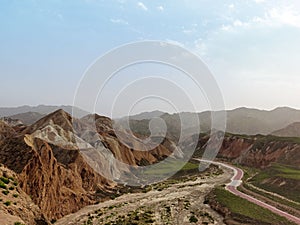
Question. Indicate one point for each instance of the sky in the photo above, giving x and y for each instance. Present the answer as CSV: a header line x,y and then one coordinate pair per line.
x,y
252,48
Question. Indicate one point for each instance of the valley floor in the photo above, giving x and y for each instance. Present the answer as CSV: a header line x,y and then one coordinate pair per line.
x,y
179,203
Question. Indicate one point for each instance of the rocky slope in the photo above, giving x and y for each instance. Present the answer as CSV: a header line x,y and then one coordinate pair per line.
x,y
51,166
28,118
64,163
292,130
255,151
15,204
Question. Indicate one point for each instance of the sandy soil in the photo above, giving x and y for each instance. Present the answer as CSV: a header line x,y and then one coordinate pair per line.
x,y
173,204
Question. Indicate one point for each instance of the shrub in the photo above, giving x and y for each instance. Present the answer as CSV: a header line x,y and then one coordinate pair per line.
x,y
7,203
11,188
193,219
2,185
4,180
15,195
18,223
5,192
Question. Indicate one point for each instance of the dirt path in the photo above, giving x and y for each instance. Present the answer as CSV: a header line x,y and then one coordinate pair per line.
x,y
177,204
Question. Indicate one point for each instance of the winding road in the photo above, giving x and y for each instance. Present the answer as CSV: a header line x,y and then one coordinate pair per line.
x,y
236,181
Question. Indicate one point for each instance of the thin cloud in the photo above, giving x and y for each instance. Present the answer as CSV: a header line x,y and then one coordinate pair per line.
x,y
160,8
119,21
142,6
259,1
286,16
231,6
279,17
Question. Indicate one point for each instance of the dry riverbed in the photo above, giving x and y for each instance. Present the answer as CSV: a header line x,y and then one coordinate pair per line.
x,y
166,203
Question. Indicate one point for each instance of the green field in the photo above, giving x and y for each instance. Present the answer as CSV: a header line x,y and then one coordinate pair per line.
x,y
169,166
286,171
281,179
245,208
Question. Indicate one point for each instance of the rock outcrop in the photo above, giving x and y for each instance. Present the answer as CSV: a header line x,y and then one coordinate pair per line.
x,y
255,151
16,205
51,167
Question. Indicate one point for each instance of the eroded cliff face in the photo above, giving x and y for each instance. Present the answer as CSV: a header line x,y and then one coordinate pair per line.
x,y
58,188
255,151
52,168
16,205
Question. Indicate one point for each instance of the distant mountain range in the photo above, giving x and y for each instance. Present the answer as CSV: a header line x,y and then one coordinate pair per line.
x,y
282,121
55,165
28,118
292,130
41,110
239,121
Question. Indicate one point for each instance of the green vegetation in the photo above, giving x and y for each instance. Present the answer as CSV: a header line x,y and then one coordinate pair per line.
x,y
281,179
2,185
286,171
266,138
248,171
11,188
193,219
4,180
139,216
7,203
170,166
5,192
15,195
18,223
245,208
272,197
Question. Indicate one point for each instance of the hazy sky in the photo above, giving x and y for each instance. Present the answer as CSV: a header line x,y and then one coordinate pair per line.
x,y
251,46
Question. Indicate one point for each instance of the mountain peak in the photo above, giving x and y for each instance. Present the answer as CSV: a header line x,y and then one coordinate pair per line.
x,y
58,117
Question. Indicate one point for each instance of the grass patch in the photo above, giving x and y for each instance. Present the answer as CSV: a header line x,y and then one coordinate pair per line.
x,y
272,197
170,166
140,216
7,203
193,219
245,208
281,179
4,180
15,195
286,171
18,223
2,185
5,192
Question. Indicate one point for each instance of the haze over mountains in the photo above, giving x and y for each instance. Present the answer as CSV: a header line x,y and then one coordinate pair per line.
x,y
239,121
41,109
